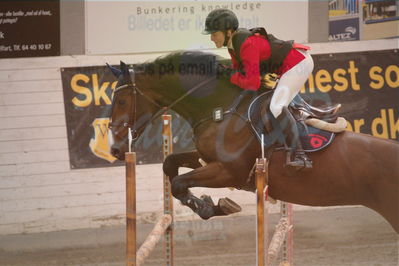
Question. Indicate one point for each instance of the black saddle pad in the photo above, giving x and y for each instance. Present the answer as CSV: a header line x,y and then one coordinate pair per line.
x,y
312,139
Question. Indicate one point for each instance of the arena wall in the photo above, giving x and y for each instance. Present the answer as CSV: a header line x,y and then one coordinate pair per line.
x,y
38,190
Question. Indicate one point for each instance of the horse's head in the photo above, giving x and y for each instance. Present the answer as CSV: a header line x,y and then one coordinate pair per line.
x,y
126,113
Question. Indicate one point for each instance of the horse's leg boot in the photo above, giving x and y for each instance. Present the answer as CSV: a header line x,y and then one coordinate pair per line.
x,y
228,206
204,207
296,156
208,209
207,199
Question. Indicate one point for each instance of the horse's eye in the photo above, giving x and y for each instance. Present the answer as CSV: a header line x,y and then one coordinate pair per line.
x,y
121,102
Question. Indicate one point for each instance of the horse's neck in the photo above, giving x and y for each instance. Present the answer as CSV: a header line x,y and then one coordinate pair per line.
x,y
193,106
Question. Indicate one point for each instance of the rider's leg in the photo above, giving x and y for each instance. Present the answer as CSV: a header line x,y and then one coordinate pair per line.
x,y
297,156
288,87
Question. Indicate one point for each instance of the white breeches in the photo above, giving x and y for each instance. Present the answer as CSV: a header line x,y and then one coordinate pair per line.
x,y
291,83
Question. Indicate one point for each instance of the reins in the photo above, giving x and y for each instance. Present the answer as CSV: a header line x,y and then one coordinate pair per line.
x,y
132,125
232,110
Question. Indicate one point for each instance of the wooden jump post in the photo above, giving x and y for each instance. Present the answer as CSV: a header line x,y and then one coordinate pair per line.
x,y
266,251
163,226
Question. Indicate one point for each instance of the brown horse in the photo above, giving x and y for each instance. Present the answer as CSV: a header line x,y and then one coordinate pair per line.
x,y
356,169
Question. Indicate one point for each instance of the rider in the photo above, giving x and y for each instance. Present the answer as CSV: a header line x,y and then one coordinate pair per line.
x,y
254,53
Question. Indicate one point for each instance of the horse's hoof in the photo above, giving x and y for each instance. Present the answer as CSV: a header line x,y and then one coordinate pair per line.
x,y
271,200
228,206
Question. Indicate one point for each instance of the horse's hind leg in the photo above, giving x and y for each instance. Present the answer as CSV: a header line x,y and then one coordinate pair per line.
x,y
212,175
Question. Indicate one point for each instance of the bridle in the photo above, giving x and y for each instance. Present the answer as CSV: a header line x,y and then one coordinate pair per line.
x,y
132,124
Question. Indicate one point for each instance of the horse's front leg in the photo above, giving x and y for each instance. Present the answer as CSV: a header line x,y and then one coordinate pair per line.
x,y
171,167
213,175
174,161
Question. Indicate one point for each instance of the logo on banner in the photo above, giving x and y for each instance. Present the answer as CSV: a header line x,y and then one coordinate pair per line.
x,y
100,145
344,29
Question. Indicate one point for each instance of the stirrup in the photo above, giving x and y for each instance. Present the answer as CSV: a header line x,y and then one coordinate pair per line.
x,y
300,161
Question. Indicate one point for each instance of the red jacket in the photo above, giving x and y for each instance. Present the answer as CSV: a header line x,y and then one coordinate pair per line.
x,y
254,50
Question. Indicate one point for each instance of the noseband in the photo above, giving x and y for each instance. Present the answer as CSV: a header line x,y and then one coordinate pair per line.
x,y
132,125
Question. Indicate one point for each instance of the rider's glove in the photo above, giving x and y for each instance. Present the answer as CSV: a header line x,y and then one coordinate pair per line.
x,y
269,80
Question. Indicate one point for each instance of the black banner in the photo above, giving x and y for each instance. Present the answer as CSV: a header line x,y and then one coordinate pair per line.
x,y
29,28
367,86
87,98
365,83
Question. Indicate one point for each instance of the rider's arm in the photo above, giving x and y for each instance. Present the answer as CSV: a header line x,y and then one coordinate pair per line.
x,y
250,55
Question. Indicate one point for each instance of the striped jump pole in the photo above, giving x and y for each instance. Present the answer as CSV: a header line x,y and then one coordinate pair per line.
x,y
167,148
286,211
153,238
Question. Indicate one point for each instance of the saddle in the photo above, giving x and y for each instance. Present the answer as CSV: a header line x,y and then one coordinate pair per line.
x,y
312,139
301,110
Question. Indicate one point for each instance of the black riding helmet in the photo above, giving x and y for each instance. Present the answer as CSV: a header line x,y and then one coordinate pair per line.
x,y
220,20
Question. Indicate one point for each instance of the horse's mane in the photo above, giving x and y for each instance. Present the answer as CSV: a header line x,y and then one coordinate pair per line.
x,y
182,71
191,55
191,62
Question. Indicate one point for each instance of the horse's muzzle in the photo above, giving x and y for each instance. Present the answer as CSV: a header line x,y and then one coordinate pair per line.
x,y
117,153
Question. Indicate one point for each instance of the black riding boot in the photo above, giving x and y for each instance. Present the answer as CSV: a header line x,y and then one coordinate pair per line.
x,y
296,156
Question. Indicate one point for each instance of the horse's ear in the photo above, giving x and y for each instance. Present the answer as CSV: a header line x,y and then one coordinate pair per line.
x,y
114,70
125,72
123,65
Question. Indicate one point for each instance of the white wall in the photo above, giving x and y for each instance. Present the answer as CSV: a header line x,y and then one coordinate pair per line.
x,y
39,192
114,27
